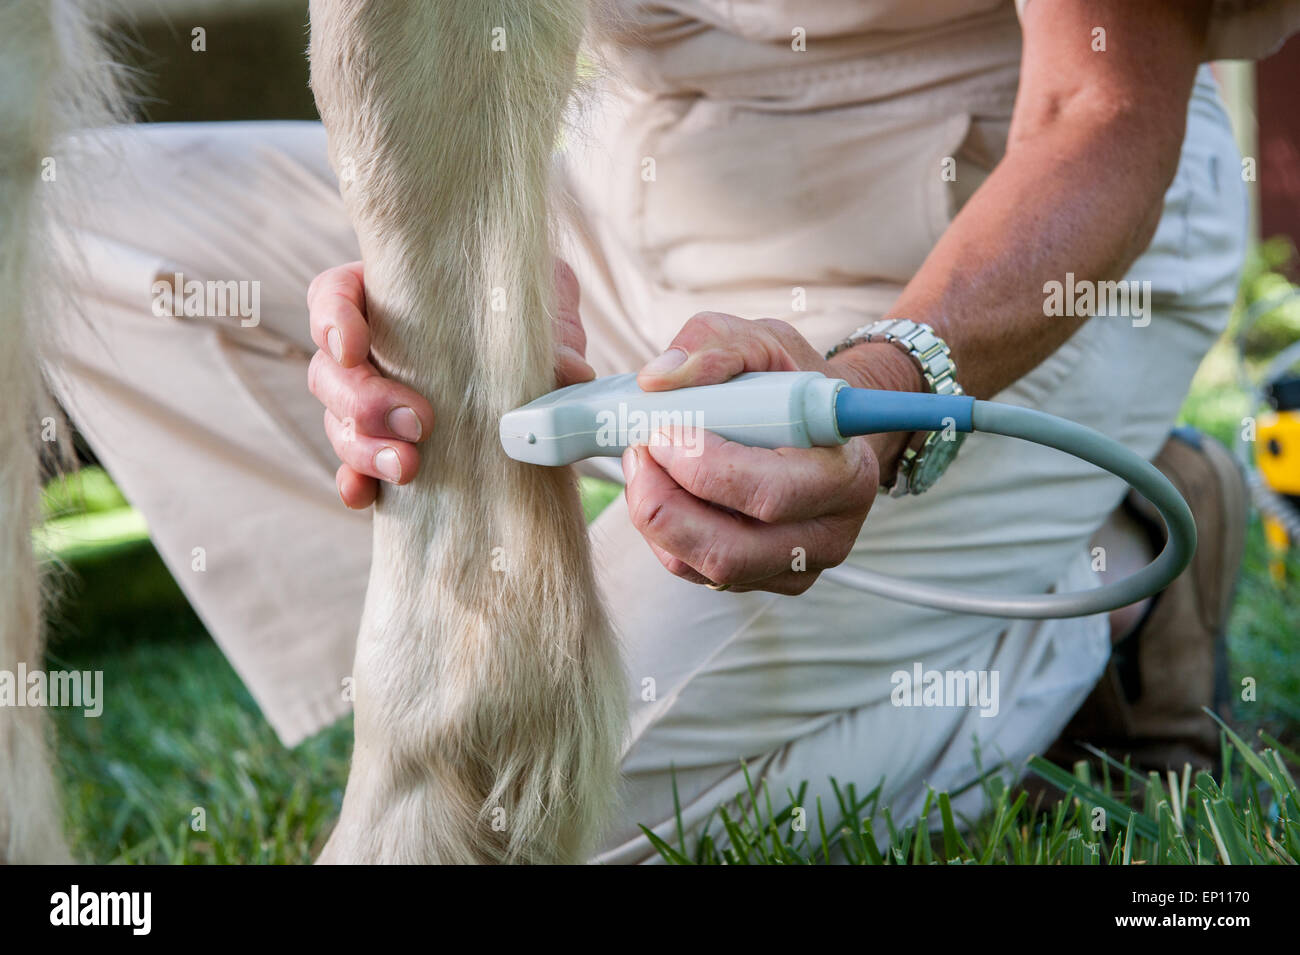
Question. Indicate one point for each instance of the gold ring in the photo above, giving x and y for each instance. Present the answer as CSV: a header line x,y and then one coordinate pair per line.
x,y
718,587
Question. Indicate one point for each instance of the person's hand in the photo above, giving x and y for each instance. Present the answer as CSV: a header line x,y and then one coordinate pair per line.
x,y
721,513
375,424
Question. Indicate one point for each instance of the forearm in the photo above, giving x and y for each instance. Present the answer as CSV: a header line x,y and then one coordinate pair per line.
x,y
1080,199
1094,143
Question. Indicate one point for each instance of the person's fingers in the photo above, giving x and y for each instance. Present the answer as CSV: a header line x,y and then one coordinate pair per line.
x,y
356,491
723,547
347,280
374,404
676,566
568,295
336,301
789,584
570,367
383,458
649,492
714,347
570,338
773,486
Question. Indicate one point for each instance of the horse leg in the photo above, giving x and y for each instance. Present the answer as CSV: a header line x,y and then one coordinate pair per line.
x,y
489,695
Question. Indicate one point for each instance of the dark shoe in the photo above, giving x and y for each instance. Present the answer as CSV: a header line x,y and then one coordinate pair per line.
x,y
1148,704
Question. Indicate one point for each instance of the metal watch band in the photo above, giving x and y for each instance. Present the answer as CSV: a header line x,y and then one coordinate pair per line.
x,y
931,353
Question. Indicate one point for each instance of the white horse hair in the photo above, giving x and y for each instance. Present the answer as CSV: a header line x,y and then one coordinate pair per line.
x,y
489,694
55,78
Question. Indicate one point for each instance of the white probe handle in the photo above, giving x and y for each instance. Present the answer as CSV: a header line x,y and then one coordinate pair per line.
x,y
601,418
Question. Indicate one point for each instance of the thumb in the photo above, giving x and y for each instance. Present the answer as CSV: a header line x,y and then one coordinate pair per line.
x,y
712,348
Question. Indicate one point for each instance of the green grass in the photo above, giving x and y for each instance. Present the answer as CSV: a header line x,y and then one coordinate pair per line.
x,y
1251,815
187,736
182,768
1264,644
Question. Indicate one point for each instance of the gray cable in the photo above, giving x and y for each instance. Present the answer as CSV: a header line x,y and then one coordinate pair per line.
x,y
1097,449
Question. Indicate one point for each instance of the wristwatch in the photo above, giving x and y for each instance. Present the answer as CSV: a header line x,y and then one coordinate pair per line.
x,y
919,467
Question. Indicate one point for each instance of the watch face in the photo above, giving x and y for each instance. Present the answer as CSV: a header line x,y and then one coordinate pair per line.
x,y
935,456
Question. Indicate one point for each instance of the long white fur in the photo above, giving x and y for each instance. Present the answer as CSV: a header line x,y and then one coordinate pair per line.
x,y
55,77
489,694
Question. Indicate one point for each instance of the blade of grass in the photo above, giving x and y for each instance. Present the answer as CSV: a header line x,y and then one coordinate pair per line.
x,y
669,854
953,843
1068,784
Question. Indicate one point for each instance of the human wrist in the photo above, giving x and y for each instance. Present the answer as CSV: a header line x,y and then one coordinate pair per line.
x,y
879,366
883,367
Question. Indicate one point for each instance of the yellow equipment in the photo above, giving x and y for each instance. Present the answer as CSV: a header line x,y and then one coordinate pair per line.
x,y
1277,455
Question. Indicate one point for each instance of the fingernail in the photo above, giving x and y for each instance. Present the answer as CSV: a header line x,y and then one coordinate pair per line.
x,y
335,342
404,423
388,464
629,464
672,358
